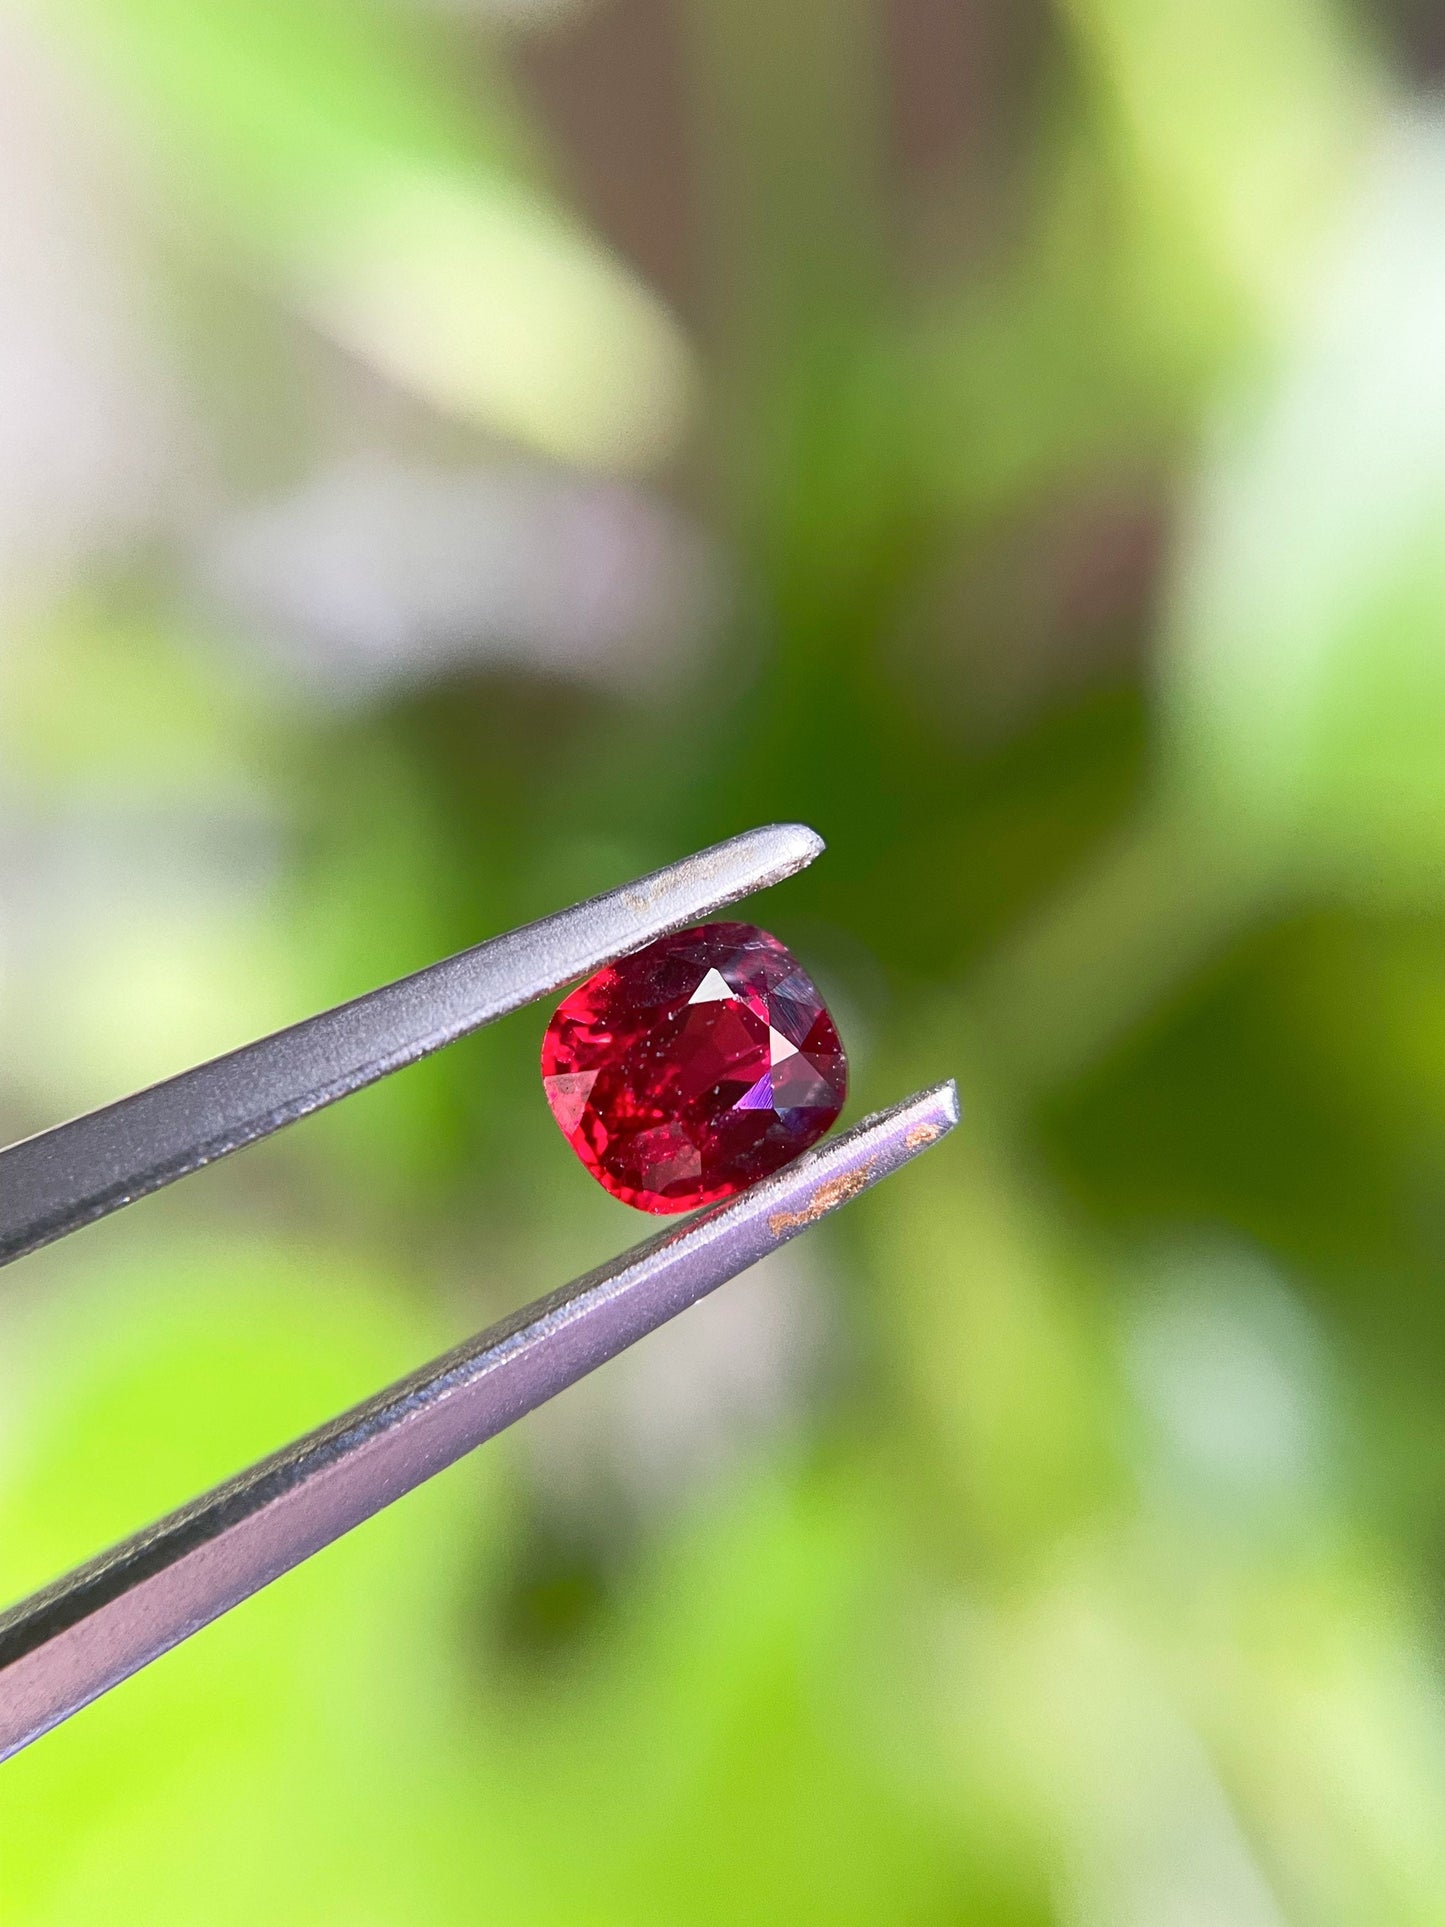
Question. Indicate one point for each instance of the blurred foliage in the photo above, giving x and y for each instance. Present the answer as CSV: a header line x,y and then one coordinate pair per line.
x,y
1042,413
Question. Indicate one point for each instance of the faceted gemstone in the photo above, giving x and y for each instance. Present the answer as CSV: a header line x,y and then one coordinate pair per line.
x,y
693,1068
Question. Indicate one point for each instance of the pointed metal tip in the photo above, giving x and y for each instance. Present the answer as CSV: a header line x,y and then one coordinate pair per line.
x,y
783,848
808,841
102,1622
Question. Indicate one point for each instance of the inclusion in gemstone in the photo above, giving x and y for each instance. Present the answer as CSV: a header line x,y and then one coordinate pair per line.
x,y
693,1068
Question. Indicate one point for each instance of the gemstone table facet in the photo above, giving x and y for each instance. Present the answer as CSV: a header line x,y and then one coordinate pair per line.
x,y
689,1070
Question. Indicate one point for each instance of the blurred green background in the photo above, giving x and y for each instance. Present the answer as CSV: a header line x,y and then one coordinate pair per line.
x,y
456,454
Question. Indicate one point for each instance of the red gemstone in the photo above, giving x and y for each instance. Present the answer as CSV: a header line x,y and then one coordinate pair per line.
x,y
693,1068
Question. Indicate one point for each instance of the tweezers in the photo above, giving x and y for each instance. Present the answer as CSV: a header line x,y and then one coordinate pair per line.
x,y
83,1634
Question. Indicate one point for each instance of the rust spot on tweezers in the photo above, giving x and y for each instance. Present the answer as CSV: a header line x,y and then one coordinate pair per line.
x,y
836,1191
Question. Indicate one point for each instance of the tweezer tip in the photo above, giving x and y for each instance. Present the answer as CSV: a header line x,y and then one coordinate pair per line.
x,y
797,845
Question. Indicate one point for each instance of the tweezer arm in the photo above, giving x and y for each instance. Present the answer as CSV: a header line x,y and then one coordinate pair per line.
x,y
66,1177
68,1644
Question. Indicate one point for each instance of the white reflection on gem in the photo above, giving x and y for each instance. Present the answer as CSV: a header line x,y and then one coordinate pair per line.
x,y
713,989
780,1048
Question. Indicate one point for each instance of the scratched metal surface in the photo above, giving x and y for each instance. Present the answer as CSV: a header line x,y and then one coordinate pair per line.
x,y
63,1178
71,1642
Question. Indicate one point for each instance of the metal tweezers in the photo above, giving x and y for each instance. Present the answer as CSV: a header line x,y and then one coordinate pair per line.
x,y
72,1641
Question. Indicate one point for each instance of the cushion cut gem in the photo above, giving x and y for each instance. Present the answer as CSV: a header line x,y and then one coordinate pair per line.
x,y
686,1072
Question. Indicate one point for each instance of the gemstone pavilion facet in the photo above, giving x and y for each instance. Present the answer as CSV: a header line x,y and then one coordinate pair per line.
x,y
693,1068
